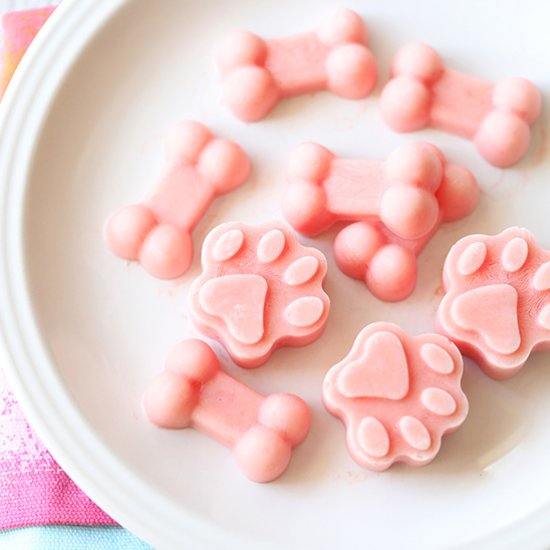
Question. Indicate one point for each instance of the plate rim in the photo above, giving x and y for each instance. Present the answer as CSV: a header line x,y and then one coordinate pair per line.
x,y
28,366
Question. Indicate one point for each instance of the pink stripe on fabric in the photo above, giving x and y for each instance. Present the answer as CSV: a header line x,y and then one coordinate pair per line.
x,y
34,490
20,28
46,498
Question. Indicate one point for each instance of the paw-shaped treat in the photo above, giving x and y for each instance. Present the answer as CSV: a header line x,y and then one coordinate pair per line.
x,y
397,395
399,191
385,262
496,117
260,289
157,232
497,308
193,392
257,74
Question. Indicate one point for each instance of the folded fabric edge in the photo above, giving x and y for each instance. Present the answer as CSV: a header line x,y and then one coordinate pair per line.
x,y
46,497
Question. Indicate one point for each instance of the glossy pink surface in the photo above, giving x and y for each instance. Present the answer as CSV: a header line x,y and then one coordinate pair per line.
x,y
496,117
397,395
495,308
194,392
157,232
260,289
257,74
385,262
400,191
397,204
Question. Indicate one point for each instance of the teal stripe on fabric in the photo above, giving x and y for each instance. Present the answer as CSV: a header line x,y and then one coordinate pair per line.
x,y
70,537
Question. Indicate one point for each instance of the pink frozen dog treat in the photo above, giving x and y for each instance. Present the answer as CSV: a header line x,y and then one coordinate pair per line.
x,y
193,392
495,308
260,289
397,395
496,117
385,262
157,232
257,74
400,191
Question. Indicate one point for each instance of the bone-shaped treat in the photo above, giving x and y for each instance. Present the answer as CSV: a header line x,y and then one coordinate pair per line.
x,y
400,191
496,117
193,392
157,232
496,308
385,262
257,74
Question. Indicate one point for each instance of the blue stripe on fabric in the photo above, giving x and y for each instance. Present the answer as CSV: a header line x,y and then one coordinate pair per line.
x,y
70,537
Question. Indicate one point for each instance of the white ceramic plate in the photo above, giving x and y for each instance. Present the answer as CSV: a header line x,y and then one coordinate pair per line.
x,y
83,332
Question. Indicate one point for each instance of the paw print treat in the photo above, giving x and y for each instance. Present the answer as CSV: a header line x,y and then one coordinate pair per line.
x,y
260,289
385,262
157,232
257,74
399,191
496,307
496,117
193,392
397,395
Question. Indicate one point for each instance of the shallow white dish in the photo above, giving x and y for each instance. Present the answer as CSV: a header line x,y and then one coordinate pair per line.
x,y
80,134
